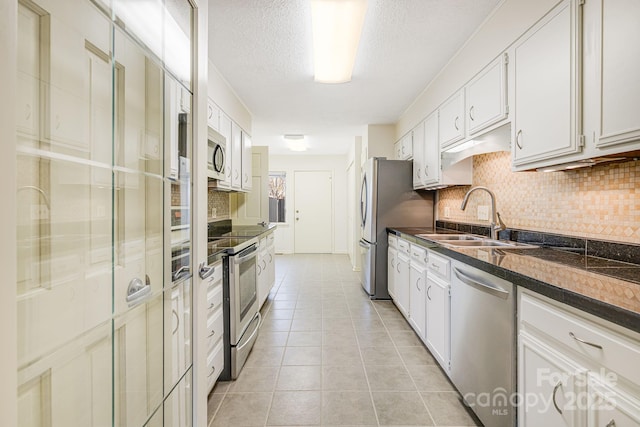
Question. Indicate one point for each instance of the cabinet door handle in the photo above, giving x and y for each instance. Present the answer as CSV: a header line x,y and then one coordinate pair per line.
x,y
419,173
471,113
426,170
518,139
611,423
211,306
259,269
572,335
553,395
211,334
213,370
175,313
428,296
398,267
455,123
393,264
418,281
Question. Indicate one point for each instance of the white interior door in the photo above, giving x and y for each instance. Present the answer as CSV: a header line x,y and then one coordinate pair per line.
x,y
313,213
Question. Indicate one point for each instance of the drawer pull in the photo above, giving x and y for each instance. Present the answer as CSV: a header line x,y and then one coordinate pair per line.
x,y
428,296
572,335
435,266
213,370
611,423
211,334
211,306
555,390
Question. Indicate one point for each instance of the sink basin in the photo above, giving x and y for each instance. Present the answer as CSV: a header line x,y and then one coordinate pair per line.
x,y
473,241
448,237
487,243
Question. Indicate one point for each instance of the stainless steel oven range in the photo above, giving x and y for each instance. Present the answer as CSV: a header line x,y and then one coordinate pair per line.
x,y
242,318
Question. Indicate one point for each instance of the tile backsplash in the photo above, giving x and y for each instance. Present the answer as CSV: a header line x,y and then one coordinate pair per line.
x,y
601,202
217,204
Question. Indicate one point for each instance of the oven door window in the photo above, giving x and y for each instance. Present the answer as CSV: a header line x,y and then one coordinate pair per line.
x,y
247,284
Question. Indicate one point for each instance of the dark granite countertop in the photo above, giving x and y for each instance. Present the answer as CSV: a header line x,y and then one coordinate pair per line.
x,y
605,288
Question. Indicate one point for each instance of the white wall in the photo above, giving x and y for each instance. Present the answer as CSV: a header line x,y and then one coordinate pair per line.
x,y
508,22
293,163
226,98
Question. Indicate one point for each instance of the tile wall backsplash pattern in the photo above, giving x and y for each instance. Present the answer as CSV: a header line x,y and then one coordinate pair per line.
x,y
602,202
218,204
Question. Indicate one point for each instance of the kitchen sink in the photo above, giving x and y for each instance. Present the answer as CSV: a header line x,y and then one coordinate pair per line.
x,y
440,237
487,243
473,241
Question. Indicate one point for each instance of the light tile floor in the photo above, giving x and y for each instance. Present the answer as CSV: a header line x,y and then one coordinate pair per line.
x,y
327,355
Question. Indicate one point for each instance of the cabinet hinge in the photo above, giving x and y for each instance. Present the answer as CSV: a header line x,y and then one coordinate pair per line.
x,y
506,58
581,140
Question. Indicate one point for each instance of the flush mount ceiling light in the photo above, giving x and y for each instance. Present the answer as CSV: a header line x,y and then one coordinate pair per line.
x,y
295,142
337,25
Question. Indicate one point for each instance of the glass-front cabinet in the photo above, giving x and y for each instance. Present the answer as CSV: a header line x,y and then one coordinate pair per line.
x,y
104,282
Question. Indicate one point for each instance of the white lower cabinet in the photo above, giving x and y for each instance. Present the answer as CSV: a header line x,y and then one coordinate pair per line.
x,y
392,255
549,383
417,287
418,283
575,369
214,330
265,267
402,279
437,334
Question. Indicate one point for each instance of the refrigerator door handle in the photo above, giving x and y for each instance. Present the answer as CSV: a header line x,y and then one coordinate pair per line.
x,y
364,244
363,201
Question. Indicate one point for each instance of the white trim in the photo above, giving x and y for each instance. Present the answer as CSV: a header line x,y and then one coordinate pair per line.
x,y
8,305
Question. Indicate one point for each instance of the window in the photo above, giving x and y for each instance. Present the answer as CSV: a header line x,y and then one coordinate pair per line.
x,y
277,194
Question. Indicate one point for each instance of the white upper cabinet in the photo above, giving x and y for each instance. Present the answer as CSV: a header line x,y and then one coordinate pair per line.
x,y
236,156
247,173
418,156
546,121
451,121
431,174
404,147
612,60
486,96
213,115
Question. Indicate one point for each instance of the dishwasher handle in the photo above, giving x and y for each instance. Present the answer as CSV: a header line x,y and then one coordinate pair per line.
x,y
476,283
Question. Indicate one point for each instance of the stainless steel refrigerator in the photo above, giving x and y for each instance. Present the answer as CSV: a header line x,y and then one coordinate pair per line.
x,y
387,199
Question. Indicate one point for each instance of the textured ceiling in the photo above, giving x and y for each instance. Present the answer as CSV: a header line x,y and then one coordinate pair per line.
x,y
263,48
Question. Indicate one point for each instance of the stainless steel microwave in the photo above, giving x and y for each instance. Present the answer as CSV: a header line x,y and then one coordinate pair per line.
x,y
216,155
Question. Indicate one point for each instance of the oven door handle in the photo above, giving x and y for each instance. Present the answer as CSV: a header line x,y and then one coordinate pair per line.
x,y
259,316
245,255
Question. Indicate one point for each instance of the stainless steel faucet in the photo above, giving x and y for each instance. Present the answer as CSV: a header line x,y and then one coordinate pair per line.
x,y
496,221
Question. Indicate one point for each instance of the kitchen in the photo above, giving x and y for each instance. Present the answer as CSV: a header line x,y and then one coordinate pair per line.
x,y
590,287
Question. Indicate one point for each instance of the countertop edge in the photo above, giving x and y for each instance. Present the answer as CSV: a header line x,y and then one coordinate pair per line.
x,y
603,310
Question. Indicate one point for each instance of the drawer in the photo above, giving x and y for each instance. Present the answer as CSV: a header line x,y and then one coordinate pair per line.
x,y
217,274
418,254
215,325
404,246
393,241
262,242
214,298
215,365
594,342
439,265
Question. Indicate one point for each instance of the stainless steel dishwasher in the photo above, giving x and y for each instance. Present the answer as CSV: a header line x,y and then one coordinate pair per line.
x,y
483,343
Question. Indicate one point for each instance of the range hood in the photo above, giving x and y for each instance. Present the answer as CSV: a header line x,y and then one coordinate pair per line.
x,y
498,139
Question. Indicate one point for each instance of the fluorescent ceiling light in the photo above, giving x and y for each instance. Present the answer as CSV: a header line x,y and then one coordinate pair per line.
x,y
337,25
295,142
